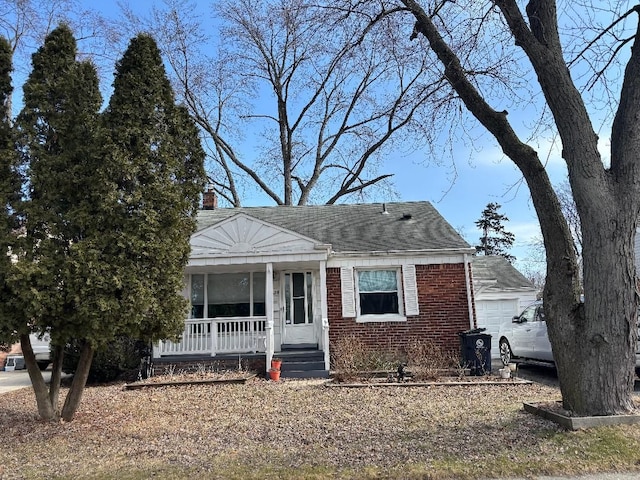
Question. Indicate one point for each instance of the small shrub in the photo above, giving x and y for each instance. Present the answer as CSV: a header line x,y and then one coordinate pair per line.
x,y
120,356
427,361
347,355
353,359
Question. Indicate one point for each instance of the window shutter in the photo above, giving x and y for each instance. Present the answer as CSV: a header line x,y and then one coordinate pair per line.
x,y
348,292
410,285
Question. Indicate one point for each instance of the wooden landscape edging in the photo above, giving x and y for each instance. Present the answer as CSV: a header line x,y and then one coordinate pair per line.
x,y
136,386
511,381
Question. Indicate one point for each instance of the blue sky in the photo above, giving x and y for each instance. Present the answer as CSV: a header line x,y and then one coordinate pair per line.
x,y
482,175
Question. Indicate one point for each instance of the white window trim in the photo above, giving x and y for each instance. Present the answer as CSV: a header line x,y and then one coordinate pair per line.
x,y
386,317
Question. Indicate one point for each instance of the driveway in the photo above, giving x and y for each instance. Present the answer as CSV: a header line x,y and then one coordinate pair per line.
x,y
10,381
544,373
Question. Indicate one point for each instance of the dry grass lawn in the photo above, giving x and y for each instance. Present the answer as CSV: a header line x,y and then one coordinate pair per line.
x,y
302,429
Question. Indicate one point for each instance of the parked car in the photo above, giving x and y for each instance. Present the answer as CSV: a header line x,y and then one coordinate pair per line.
x,y
42,349
525,338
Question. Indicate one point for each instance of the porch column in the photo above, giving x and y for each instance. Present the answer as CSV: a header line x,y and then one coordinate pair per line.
x,y
325,315
269,307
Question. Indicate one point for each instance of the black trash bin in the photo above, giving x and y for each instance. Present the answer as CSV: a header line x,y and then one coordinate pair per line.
x,y
475,350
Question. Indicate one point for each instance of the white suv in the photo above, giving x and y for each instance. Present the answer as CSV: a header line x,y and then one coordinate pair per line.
x,y
525,337
42,349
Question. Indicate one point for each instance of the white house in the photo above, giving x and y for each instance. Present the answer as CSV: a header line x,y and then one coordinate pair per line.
x,y
288,281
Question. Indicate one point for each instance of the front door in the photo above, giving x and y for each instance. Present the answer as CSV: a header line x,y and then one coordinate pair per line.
x,y
298,308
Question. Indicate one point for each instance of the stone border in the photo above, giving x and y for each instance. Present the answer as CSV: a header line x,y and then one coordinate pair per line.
x,y
136,386
578,423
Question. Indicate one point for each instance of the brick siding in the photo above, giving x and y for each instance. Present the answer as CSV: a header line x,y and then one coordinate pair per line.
x,y
444,311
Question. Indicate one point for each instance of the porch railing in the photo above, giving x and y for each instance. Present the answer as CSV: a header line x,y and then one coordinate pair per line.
x,y
218,335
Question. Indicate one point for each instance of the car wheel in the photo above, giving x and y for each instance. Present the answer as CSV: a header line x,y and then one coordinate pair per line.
x,y
43,365
505,352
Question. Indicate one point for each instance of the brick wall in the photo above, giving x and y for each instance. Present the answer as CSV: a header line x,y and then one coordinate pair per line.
x,y
442,297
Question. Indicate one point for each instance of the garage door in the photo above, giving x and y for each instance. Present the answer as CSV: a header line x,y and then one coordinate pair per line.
x,y
490,314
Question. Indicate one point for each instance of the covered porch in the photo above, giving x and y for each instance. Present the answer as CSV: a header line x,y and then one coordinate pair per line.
x,y
253,289
216,336
298,361
283,308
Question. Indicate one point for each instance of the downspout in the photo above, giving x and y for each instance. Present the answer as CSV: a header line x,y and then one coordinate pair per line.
x,y
467,279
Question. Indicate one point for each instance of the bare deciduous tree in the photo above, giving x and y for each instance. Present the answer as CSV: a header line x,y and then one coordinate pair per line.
x,y
26,23
593,342
297,101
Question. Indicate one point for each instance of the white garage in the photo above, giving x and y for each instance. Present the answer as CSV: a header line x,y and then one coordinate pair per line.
x,y
500,292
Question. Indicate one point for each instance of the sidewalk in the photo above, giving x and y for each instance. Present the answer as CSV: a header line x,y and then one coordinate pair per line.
x,y
593,476
17,379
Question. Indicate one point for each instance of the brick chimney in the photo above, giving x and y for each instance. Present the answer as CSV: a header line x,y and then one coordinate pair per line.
x,y
209,200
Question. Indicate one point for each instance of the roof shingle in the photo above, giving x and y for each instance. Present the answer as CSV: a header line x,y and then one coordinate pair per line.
x,y
356,227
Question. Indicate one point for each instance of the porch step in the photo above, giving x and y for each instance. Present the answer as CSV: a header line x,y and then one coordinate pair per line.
x,y
302,363
299,346
305,374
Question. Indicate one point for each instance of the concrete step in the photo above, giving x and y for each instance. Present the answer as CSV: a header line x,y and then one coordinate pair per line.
x,y
302,361
298,346
288,366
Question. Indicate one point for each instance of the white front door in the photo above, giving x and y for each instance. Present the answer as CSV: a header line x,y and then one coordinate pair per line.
x,y
297,298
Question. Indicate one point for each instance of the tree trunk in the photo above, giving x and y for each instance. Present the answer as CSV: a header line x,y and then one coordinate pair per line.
x,y
593,343
45,408
594,347
56,376
79,381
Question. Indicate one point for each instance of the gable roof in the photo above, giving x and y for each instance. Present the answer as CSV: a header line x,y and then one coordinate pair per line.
x,y
244,234
497,274
356,227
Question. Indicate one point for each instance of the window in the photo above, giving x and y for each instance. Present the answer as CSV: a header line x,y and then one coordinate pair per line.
x,y
257,293
386,294
228,295
197,296
529,314
378,292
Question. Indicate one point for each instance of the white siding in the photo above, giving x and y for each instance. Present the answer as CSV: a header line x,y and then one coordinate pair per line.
x,y
242,235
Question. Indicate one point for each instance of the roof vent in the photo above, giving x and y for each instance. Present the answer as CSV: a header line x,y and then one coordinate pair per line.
x,y
384,209
406,216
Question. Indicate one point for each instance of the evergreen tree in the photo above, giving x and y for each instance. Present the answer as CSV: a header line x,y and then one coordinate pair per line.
x,y
156,158
495,240
112,205
57,128
10,186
